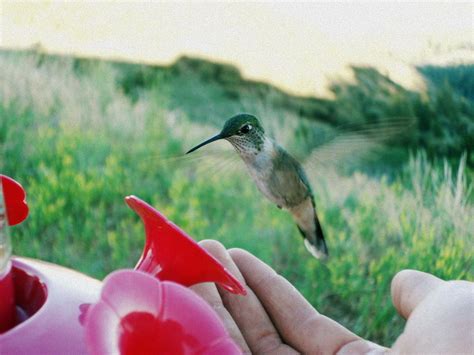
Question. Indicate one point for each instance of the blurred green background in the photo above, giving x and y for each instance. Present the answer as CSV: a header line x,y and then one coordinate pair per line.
x,y
82,134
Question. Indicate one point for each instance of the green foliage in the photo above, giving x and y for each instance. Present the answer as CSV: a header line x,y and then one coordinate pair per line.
x,y
447,121
80,135
443,117
460,78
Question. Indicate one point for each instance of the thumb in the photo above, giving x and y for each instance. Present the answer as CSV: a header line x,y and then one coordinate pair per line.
x,y
410,287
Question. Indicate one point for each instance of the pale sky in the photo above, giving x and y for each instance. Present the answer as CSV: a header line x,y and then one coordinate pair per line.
x,y
295,46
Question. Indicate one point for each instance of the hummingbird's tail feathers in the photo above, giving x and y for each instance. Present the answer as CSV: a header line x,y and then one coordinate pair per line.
x,y
315,242
320,241
317,253
306,219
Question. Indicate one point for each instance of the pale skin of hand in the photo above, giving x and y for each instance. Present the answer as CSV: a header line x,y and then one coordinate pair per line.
x,y
275,318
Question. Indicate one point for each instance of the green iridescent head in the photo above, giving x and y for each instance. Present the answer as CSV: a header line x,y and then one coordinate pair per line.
x,y
243,131
241,124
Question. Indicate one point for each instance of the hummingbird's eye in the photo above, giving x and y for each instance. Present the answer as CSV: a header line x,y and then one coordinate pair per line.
x,y
246,128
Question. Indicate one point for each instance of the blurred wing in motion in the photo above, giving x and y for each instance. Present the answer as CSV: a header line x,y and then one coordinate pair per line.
x,y
351,144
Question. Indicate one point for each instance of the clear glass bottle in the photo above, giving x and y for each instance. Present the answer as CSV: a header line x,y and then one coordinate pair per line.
x,y
7,294
5,244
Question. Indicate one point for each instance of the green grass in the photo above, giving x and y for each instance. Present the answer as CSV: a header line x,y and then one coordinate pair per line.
x,y
79,143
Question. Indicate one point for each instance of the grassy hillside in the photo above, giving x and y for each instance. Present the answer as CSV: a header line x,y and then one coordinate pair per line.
x,y
80,135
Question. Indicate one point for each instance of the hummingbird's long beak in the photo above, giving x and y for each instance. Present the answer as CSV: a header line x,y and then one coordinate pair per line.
x,y
210,140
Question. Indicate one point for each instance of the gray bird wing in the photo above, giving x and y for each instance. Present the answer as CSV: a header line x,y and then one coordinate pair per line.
x,y
288,180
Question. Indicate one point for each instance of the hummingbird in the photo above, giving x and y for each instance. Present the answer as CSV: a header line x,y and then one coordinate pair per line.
x,y
277,174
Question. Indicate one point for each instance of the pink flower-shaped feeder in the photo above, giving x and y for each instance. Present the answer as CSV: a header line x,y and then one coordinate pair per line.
x,y
138,314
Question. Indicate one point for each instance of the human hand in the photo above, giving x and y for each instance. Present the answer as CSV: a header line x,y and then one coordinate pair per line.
x,y
439,314
275,318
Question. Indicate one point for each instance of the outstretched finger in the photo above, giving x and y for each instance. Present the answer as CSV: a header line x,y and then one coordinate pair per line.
x,y
247,312
410,287
298,323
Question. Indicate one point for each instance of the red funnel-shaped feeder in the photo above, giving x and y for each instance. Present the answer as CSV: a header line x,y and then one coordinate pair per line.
x,y
171,255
